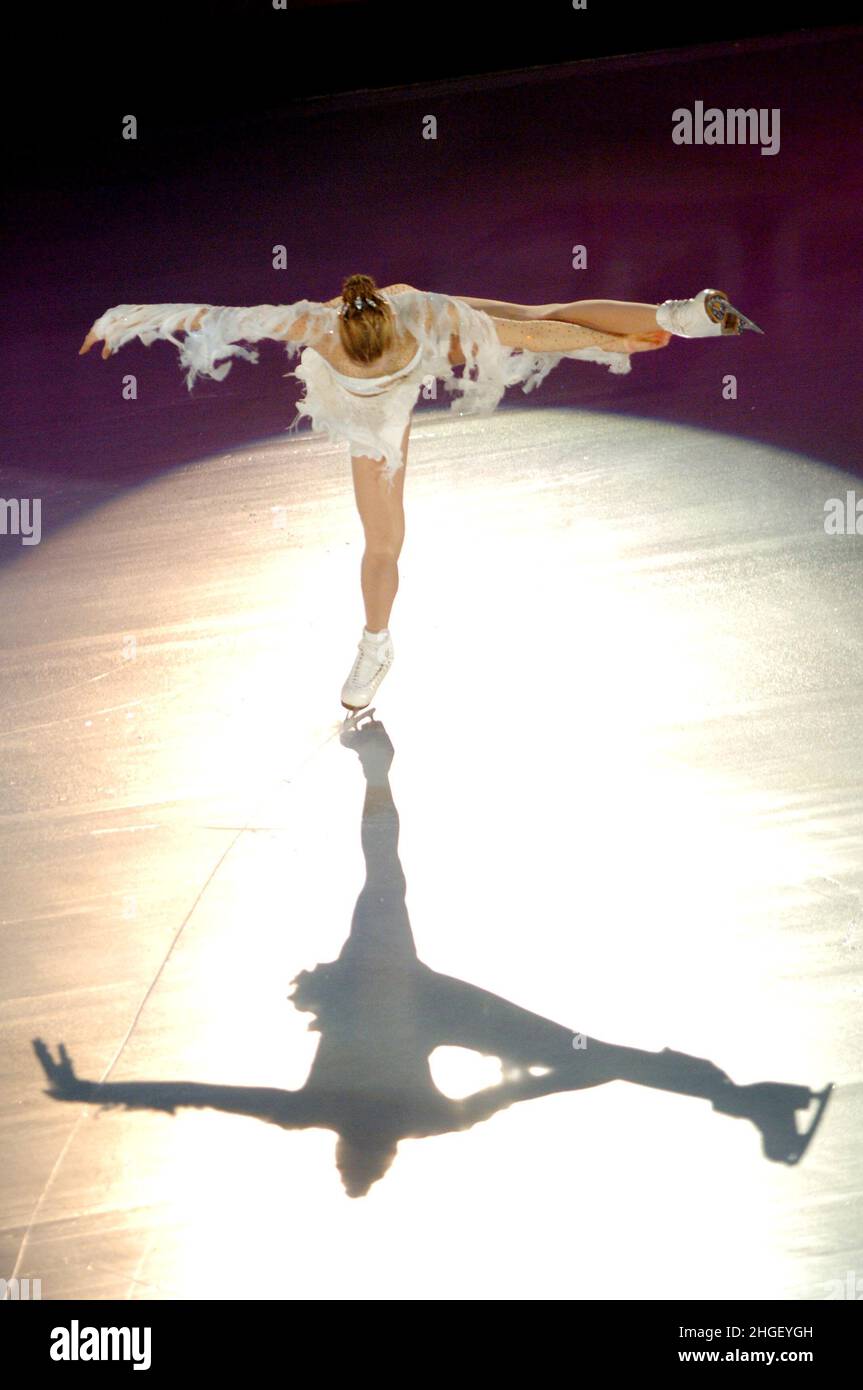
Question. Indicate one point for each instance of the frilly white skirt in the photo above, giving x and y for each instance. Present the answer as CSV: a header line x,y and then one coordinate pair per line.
x,y
374,425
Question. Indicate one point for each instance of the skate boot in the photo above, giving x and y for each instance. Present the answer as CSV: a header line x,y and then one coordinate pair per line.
x,y
708,315
374,659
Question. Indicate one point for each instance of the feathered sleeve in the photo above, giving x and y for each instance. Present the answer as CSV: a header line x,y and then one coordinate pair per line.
x,y
490,367
434,320
213,333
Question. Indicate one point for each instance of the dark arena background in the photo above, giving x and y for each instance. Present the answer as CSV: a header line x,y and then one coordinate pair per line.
x,y
525,984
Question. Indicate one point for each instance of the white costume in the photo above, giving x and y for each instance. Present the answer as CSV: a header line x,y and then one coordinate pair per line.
x,y
370,413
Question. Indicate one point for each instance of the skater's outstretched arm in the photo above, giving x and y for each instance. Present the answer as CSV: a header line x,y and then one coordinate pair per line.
x,y
213,332
297,323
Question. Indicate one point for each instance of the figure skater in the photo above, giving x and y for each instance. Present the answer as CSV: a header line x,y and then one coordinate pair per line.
x,y
367,355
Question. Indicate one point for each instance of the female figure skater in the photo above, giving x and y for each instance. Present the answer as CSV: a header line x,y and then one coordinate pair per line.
x,y
367,355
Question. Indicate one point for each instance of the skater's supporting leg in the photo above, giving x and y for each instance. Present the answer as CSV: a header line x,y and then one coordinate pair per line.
x,y
381,509
605,315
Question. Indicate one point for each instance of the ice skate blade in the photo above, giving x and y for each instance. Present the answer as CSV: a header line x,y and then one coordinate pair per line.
x,y
733,321
747,323
354,716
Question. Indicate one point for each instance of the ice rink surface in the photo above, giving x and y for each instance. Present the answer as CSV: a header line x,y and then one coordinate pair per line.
x,y
624,723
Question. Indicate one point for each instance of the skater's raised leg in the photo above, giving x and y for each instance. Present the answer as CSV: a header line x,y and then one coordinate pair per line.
x,y
605,315
709,314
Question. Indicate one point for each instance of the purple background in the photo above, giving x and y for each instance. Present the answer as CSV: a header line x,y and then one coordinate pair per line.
x,y
522,169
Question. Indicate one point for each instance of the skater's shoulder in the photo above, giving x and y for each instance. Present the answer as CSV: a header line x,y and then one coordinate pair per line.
x,y
390,363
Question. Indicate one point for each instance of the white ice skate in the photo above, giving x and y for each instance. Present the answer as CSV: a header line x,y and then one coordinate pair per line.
x,y
373,661
708,315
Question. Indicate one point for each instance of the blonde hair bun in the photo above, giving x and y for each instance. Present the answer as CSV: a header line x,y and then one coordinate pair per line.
x,y
365,319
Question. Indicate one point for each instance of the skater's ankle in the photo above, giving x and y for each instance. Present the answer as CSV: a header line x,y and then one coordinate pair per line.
x,y
376,636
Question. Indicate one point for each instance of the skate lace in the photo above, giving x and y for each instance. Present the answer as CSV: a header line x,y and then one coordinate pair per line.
x,y
364,654
717,307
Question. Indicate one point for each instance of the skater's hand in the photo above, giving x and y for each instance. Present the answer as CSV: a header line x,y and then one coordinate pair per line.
x,y
646,342
137,313
90,341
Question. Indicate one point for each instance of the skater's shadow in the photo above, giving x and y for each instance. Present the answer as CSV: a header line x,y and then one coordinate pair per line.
x,y
381,1013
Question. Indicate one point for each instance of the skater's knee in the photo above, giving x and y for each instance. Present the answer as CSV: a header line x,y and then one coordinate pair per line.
x,y
385,533
384,546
